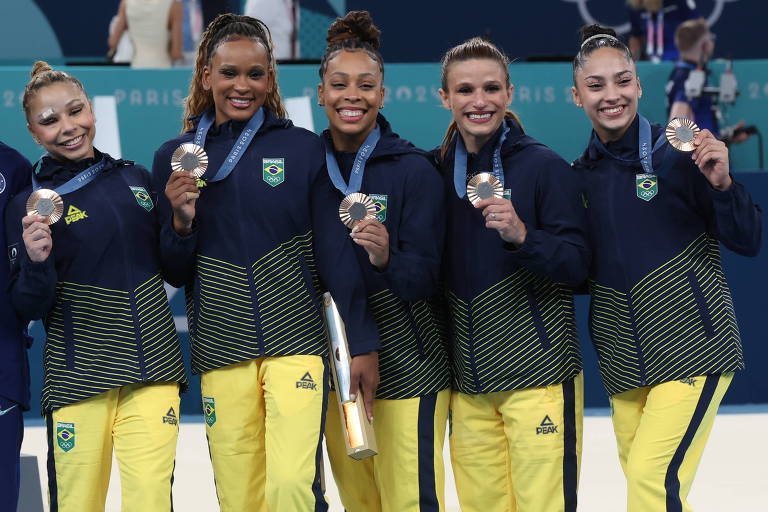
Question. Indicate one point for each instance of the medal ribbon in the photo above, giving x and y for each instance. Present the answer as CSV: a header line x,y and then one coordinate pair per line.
x,y
75,183
358,167
644,146
460,162
237,151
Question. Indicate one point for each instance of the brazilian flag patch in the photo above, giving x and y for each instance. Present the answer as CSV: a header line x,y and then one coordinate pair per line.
x,y
209,410
380,203
273,170
142,197
646,186
65,435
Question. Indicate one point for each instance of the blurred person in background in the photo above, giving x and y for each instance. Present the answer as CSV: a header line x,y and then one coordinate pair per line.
x,y
653,24
282,18
155,28
696,44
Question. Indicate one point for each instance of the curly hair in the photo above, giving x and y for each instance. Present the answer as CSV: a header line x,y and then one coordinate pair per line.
x,y
224,28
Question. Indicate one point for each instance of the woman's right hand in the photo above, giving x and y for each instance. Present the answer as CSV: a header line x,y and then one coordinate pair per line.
x,y
182,192
37,238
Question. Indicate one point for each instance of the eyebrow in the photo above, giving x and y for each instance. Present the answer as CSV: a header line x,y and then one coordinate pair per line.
x,y
616,75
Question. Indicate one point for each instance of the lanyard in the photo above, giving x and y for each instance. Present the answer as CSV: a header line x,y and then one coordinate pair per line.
x,y
460,162
358,167
250,130
75,183
643,147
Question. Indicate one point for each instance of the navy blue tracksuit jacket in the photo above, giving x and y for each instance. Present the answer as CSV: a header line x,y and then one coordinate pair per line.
x,y
512,317
661,309
406,297
100,292
266,241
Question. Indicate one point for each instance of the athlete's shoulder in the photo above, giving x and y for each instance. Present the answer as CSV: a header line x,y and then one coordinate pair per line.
x,y
12,159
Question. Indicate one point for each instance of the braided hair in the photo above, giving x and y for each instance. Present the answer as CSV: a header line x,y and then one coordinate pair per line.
x,y
225,28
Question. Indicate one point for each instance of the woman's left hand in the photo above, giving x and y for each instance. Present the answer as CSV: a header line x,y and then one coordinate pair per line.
x,y
364,376
501,215
373,236
711,157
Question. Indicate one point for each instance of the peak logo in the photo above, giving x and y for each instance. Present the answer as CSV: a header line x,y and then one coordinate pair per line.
x,y
306,382
547,426
170,417
75,214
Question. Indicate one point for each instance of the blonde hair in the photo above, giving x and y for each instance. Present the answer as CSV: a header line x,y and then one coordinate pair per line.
x,y
224,28
689,33
43,75
475,48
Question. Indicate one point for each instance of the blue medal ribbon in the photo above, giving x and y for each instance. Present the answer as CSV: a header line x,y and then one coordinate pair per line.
x,y
460,162
358,167
75,183
237,151
645,151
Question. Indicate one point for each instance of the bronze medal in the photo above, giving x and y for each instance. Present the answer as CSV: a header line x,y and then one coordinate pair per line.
x,y
190,157
680,134
47,203
484,186
356,207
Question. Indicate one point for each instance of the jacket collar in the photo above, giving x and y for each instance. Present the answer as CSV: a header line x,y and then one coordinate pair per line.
x,y
390,143
57,172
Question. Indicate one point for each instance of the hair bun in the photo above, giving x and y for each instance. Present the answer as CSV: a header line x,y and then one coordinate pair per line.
x,y
40,67
588,31
355,25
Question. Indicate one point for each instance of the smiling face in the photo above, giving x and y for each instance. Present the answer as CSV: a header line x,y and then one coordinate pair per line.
x,y
477,94
239,77
61,120
608,89
352,93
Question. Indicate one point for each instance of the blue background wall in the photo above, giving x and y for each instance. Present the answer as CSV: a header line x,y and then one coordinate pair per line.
x,y
413,31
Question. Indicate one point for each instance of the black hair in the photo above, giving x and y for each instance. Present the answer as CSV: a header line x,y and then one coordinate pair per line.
x,y
591,40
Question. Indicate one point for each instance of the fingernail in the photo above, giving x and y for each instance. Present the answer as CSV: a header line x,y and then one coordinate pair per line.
x,y
353,396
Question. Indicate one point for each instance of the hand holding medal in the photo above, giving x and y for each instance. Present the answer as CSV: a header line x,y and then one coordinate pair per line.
x,y
709,153
182,192
37,235
485,192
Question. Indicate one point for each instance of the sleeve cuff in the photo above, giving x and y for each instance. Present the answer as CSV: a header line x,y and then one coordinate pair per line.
x,y
359,348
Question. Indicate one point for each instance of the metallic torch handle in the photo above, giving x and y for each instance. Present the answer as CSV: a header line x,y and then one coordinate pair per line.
x,y
339,350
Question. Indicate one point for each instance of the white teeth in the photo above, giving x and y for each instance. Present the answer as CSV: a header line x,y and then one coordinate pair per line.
x,y
479,116
351,113
73,142
613,110
239,101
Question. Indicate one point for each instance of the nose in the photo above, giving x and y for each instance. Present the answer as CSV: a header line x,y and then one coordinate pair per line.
x,y
352,94
67,124
612,94
479,99
241,84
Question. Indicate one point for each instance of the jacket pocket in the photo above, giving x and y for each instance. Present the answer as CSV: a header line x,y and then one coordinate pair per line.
x,y
701,304
415,328
538,322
